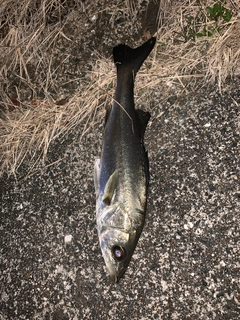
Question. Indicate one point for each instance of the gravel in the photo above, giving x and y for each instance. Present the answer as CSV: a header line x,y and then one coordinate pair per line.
x,y
186,265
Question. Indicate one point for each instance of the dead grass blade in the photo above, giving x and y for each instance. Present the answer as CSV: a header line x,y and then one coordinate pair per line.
x,y
28,37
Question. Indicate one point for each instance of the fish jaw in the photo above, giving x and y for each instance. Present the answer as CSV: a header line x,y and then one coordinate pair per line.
x,y
118,233
110,239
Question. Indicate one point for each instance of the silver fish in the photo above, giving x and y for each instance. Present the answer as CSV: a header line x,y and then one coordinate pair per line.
x,y
121,176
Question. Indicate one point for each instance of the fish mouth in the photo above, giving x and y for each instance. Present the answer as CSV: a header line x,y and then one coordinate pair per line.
x,y
115,263
115,277
117,249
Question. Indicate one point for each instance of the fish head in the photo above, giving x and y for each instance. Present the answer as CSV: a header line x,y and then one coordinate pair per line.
x,y
118,238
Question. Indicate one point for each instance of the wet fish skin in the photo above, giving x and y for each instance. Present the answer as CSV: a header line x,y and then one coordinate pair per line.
x,y
121,176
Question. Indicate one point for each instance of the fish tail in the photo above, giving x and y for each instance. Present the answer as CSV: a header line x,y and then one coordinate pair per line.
x,y
124,56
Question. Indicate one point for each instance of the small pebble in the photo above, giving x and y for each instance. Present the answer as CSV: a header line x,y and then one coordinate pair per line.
x,y
68,239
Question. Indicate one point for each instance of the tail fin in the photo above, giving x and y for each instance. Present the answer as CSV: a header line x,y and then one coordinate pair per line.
x,y
123,55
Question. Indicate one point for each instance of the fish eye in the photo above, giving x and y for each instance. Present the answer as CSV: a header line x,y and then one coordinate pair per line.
x,y
119,253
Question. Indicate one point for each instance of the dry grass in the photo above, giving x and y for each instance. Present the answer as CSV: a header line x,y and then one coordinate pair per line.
x,y
212,58
27,128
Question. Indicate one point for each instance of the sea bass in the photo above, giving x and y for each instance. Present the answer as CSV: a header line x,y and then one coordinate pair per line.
x,y
121,176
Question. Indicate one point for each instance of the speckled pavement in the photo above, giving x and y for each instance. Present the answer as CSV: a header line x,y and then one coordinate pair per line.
x,y
186,265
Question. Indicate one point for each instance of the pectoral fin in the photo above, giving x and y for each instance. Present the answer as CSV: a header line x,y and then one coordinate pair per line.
x,y
96,175
110,188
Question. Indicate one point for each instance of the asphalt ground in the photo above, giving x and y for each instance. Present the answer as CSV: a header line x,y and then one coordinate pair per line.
x,y
186,264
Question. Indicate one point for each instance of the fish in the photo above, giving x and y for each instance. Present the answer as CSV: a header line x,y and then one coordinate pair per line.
x,y
121,175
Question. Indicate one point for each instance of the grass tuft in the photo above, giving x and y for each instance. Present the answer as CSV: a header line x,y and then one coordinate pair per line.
x,y
195,43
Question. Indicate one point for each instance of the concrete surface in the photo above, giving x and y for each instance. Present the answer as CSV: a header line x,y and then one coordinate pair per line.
x,y
186,265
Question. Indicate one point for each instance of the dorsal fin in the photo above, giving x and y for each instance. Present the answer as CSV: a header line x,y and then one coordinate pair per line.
x,y
143,118
108,110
